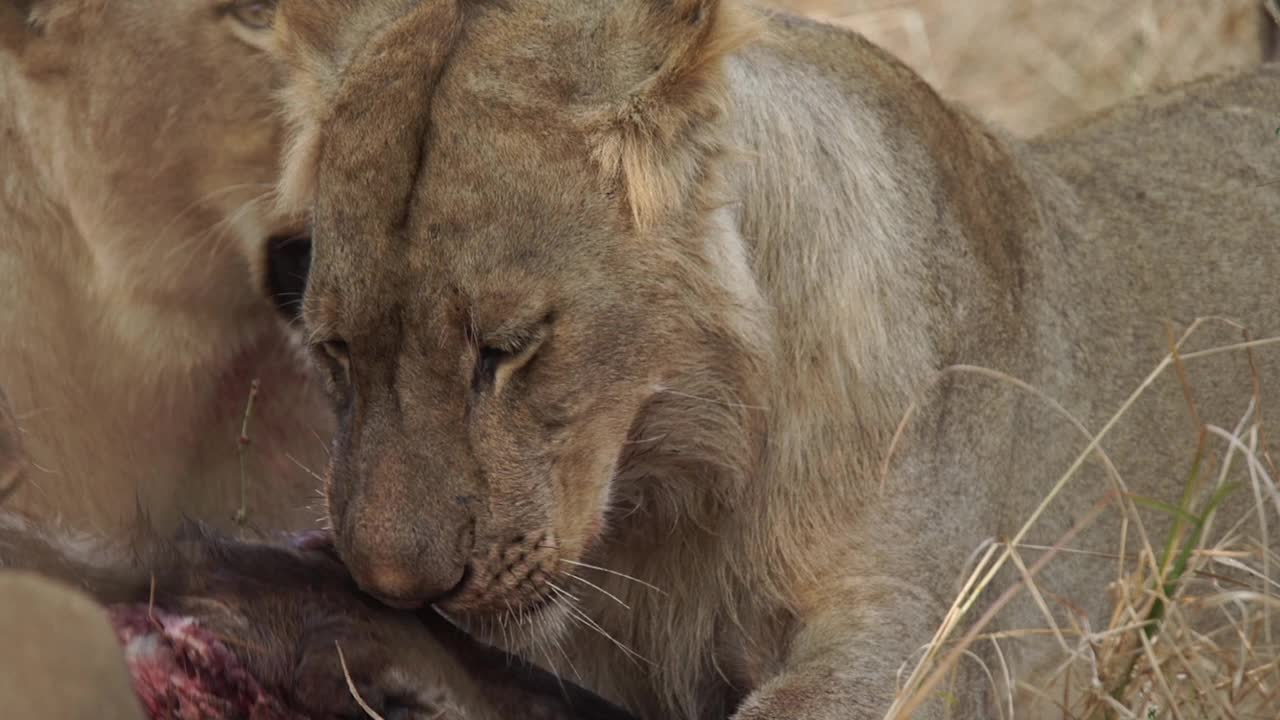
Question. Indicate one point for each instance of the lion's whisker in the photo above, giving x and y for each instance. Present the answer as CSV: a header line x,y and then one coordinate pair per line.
x,y
307,470
564,592
559,646
615,573
540,642
508,615
590,584
218,229
586,621
164,231
224,228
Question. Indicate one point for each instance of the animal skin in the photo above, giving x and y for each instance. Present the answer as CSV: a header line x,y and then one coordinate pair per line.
x,y
141,246
646,288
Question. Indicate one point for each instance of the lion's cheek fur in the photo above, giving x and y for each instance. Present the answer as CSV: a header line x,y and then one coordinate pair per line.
x,y
582,482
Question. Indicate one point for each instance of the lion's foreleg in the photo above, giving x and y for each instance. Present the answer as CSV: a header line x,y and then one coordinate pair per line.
x,y
849,659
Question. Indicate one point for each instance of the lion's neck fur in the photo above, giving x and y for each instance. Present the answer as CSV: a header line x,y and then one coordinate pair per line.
x,y
840,257
111,380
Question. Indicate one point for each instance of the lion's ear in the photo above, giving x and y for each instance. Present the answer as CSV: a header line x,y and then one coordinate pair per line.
x,y
657,142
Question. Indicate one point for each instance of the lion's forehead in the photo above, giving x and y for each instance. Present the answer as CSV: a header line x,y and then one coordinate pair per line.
x,y
427,304
463,125
482,223
470,157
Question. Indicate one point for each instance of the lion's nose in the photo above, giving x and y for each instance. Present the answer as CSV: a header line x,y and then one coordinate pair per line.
x,y
396,587
407,569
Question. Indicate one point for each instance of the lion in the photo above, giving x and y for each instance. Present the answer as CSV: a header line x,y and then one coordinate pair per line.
x,y
143,248
622,306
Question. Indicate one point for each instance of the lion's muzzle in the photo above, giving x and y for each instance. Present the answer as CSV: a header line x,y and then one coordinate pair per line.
x,y
407,567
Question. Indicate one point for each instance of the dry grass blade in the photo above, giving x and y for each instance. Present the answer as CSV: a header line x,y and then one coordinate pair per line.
x,y
1154,661
905,705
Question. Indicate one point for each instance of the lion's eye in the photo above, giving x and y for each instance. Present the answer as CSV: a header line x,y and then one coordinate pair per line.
x,y
335,356
337,351
496,365
254,14
507,351
487,365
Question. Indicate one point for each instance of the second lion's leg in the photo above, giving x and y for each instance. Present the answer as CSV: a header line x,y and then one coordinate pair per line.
x,y
59,656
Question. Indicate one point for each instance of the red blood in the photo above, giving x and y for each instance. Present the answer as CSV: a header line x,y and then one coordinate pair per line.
x,y
181,671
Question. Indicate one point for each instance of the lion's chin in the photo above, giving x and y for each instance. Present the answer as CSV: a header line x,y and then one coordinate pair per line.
x,y
529,631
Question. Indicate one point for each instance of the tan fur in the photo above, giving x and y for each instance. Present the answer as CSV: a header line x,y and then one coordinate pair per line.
x,y
606,282
138,153
61,658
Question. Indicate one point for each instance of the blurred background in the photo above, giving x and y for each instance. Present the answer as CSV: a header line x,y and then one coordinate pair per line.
x,y
1031,65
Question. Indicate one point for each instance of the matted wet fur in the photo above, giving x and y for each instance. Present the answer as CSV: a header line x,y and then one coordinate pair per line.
x,y
139,149
641,289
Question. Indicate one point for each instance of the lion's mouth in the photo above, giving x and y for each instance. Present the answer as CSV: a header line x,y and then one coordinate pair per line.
x,y
513,576
395,603
287,266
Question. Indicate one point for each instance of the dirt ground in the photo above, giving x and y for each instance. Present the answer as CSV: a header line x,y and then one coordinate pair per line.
x,y
1033,64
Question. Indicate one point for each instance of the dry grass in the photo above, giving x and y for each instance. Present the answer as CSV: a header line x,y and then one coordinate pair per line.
x,y
1034,64
1193,633
1195,629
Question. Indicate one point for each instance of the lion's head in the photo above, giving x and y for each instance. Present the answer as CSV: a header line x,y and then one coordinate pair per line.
x,y
150,125
526,295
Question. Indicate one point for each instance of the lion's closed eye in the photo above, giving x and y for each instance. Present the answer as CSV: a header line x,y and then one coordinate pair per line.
x,y
334,356
499,361
251,21
253,14
502,356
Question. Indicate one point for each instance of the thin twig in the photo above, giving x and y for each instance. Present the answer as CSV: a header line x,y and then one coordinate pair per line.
x,y
242,514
